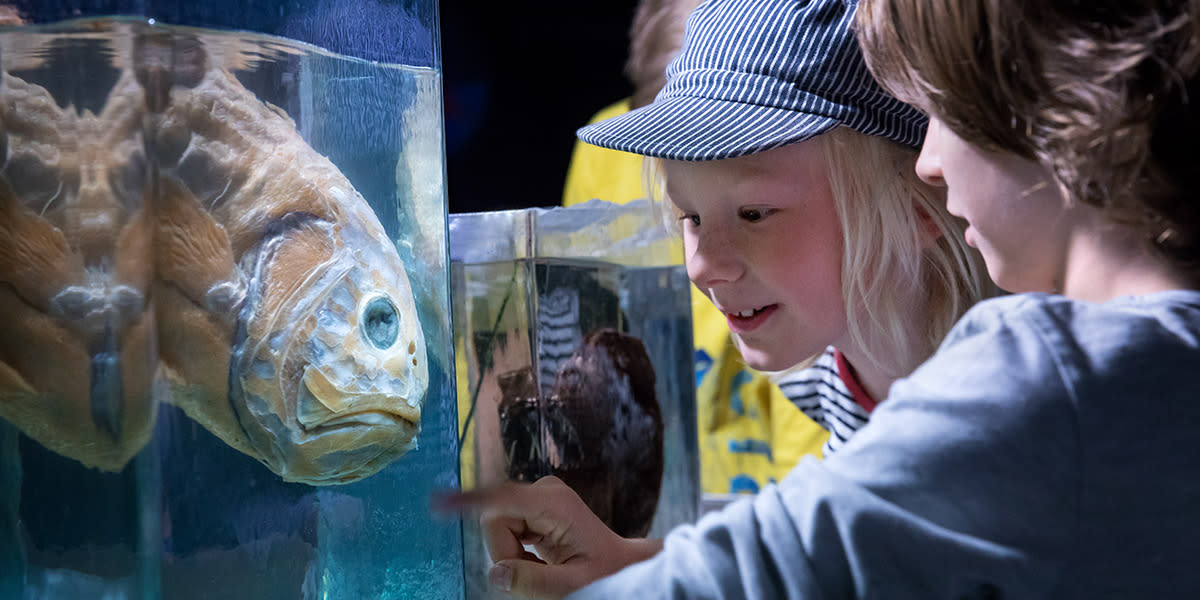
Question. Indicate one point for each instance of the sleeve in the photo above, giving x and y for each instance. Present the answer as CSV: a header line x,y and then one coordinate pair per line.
x,y
963,485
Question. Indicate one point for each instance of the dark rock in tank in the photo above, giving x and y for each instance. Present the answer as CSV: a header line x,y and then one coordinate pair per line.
x,y
600,430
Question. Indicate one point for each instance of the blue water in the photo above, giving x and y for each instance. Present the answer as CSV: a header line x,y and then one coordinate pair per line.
x,y
188,516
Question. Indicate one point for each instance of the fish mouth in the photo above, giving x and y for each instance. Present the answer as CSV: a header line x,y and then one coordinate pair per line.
x,y
322,406
366,418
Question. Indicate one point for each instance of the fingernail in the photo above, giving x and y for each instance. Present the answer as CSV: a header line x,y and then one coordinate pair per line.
x,y
501,577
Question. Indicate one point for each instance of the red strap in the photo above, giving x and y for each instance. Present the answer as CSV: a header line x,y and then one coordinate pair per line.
x,y
857,391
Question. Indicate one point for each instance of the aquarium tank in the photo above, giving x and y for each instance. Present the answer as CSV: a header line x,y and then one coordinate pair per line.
x,y
226,365
573,342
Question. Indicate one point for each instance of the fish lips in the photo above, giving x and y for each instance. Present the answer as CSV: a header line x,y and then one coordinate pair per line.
x,y
322,405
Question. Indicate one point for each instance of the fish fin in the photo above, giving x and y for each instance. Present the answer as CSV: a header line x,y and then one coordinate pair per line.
x,y
296,249
120,395
107,389
192,341
192,251
167,60
12,384
135,245
281,113
35,257
28,339
194,346
50,401
152,54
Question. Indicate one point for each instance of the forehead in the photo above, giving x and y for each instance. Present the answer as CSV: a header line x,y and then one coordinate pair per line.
x,y
790,168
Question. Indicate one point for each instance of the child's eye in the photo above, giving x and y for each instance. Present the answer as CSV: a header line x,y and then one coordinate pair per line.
x,y
752,214
693,220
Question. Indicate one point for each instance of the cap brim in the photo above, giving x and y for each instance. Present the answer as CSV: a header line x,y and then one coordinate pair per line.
x,y
693,128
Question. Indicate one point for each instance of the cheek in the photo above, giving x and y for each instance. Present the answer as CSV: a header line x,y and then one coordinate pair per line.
x,y
690,260
808,265
824,277
816,284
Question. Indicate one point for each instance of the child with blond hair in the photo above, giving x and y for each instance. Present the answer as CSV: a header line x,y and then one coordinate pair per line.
x,y
750,433
1048,448
789,174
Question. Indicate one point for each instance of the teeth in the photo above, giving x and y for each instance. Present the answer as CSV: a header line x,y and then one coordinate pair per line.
x,y
746,313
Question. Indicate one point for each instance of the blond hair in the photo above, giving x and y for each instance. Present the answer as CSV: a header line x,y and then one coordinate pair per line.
x,y
888,217
899,242
1098,92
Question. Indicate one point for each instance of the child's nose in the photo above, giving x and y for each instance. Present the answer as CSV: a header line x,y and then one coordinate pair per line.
x,y
929,161
713,259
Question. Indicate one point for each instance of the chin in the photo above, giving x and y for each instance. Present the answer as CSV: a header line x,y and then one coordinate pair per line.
x,y
762,359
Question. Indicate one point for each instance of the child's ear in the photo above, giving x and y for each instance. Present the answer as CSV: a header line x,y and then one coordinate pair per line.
x,y
927,228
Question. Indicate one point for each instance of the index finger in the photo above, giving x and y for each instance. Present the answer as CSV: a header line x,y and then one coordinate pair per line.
x,y
508,498
544,506
504,496
513,514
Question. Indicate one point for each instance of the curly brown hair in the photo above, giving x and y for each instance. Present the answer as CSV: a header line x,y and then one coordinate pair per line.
x,y
1098,91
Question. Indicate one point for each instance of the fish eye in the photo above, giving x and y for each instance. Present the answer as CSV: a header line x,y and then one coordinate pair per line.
x,y
380,323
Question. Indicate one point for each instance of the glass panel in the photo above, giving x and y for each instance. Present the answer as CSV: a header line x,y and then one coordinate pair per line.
x,y
573,332
225,357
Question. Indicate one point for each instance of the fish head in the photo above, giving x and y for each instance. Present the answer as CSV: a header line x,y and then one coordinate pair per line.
x,y
334,370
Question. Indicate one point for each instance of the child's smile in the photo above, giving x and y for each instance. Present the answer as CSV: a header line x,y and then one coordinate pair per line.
x,y
747,320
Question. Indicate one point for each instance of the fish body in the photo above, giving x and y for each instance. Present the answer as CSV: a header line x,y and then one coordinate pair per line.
x,y
325,368
186,238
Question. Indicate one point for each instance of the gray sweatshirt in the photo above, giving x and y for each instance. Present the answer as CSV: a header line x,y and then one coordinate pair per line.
x,y
1049,449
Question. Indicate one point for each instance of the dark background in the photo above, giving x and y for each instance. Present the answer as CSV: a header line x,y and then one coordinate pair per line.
x,y
520,78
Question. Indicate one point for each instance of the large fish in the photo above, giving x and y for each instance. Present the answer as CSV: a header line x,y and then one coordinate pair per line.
x,y
287,324
191,214
77,343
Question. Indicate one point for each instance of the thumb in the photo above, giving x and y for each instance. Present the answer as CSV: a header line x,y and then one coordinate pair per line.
x,y
535,579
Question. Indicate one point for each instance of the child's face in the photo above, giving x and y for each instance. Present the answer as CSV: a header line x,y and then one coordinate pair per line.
x,y
1017,218
762,239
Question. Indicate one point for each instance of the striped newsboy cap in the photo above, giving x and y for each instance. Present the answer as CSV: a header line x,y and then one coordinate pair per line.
x,y
758,74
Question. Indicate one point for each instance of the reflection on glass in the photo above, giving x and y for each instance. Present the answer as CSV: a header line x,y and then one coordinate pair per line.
x,y
216,361
575,367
